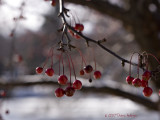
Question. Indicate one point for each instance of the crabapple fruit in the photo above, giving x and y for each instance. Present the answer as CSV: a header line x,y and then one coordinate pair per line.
x,y
49,72
77,84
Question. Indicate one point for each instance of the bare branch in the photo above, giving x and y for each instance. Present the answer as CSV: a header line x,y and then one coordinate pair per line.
x,y
102,90
62,15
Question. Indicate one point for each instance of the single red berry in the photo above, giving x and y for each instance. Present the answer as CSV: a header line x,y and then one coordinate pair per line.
x,y
62,79
81,72
136,82
97,74
39,70
79,27
2,93
159,92
129,80
53,2
146,75
77,84
147,91
69,91
144,83
59,92
49,72
88,69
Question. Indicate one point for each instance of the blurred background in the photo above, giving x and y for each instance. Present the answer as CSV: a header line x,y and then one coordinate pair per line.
x,y
28,30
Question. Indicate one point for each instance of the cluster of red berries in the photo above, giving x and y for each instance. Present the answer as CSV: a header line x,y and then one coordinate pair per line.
x,y
143,82
49,71
88,69
62,79
79,28
76,85
147,91
70,89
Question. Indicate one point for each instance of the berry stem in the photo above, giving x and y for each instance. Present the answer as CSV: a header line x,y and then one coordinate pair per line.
x,y
95,63
94,59
60,64
63,64
51,57
69,67
81,56
73,18
130,62
77,17
72,66
138,66
154,57
82,65
47,57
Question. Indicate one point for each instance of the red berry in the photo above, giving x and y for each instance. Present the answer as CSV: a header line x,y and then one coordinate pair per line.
x,y
81,72
97,74
53,3
88,69
144,83
62,79
59,92
2,93
69,91
39,70
49,72
79,27
147,91
136,82
159,92
129,80
77,85
146,75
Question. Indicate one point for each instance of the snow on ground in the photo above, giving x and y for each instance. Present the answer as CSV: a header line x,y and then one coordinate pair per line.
x,y
79,107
